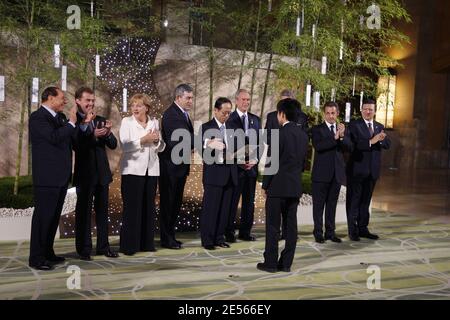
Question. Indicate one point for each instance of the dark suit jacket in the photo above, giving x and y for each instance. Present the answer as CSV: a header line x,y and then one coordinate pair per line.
x,y
254,123
51,145
91,161
217,174
328,158
272,123
173,119
293,147
365,160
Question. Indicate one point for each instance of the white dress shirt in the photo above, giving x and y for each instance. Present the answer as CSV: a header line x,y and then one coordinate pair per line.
x,y
136,158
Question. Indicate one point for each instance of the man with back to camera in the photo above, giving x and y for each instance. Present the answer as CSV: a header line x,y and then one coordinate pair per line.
x,y
272,123
284,189
363,170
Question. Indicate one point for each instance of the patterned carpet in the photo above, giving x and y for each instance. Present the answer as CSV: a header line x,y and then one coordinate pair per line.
x,y
413,256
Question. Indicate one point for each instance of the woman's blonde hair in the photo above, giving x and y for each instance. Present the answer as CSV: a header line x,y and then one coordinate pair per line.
x,y
143,98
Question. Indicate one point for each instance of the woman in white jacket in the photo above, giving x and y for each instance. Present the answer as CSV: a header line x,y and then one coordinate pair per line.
x,y
139,166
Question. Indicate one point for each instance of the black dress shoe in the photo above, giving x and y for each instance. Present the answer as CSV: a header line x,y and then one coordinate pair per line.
x,y
174,246
111,254
354,237
85,257
263,267
319,239
153,249
369,235
334,239
56,259
179,242
223,245
209,247
230,238
247,238
44,266
283,269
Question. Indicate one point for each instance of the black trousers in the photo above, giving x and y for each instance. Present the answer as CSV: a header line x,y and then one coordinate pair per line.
x,y
273,217
325,195
215,212
138,220
359,196
48,203
86,194
171,195
246,188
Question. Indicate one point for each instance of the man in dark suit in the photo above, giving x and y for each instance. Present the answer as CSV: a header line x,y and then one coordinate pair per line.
x,y
284,189
329,141
220,176
363,170
272,123
92,176
51,141
250,124
175,168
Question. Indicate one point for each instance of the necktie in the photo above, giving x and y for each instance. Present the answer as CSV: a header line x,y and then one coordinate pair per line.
x,y
370,129
245,123
222,132
332,129
187,116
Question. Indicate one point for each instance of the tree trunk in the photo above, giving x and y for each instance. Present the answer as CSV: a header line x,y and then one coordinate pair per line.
x,y
19,147
266,84
255,55
241,72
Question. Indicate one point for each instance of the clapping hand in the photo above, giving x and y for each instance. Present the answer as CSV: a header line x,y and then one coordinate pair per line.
x,y
89,117
151,137
378,137
341,130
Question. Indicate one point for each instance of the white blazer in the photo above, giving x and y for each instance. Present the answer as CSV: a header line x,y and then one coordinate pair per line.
x,y
136,158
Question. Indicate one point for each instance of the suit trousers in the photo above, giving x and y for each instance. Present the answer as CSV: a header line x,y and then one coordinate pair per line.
x,y
48,204
273,216
246,187
215,212
359,196
138,220
325,195
86,194
171,194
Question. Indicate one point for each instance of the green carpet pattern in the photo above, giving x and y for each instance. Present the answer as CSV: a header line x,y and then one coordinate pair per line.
x,y
413,256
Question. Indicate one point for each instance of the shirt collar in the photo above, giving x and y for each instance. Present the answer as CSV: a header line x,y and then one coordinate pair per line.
x,y
330,124
219,123
52,112
367,122
240,113
285,123
182,110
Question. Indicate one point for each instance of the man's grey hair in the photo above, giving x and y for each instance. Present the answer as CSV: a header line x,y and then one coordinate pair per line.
x,y
239,92
181,89
288,93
